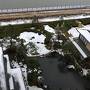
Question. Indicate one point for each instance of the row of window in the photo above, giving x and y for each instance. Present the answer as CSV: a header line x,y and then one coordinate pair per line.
x,y
83,39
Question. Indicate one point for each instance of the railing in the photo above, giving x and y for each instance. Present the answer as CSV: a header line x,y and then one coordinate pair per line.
x,y
40,9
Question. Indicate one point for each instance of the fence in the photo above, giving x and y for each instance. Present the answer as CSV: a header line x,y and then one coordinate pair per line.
x,y
39,9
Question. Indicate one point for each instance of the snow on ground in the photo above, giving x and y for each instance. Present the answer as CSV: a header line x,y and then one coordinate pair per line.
x,y
15,64
34,88
49,29
24,72
6,42
27,36
52,19
49,19
71,66
71,17
76,17
15,22
2,72
85,72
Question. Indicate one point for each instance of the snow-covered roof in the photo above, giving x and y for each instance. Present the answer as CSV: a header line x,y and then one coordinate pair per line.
x,y
11,84
78,48
17,74
49,29
49,19
73,31
2,72
76,31
85,33
87,27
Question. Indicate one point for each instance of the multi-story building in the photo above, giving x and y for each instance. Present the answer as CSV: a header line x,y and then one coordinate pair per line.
x,y
81,39
10,78
85,38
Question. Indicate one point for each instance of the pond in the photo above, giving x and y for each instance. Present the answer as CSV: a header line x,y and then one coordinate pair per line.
x,y
58,80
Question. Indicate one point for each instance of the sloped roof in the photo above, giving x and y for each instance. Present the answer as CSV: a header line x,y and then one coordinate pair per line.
x,y
78,48
2,72
74,32
85,33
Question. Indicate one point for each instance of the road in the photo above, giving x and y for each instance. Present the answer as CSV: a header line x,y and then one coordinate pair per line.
x,y
40,14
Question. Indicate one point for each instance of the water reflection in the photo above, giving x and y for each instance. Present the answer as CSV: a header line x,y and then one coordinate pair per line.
x,y
58,77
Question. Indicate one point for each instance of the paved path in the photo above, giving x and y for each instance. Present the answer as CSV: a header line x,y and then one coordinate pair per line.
x,y
58,80
25,15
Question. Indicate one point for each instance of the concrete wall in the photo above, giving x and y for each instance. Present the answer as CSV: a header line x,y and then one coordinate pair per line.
x,y
88,46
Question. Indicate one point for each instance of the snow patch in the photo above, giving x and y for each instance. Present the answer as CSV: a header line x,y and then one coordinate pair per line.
x,y
36,39
52,19
15,22
49,29
49,19
34,88
71,66
85,72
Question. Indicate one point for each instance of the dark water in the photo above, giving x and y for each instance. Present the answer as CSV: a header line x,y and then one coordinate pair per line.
x,y
40,3
58,80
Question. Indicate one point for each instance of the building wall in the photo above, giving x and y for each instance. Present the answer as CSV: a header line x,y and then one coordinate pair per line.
x,y
86,43
88,46
83,39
